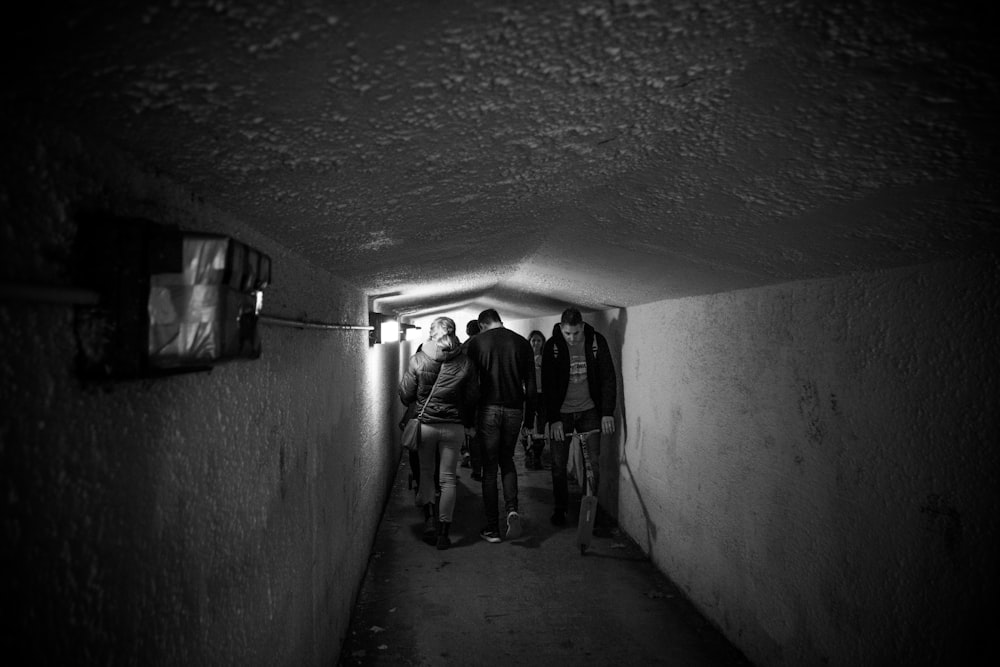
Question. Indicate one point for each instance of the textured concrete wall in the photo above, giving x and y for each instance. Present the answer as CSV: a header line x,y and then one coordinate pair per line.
x,y
209,518
815,463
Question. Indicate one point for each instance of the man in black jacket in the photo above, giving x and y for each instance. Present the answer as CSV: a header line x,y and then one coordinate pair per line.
x,y
506,367
580,390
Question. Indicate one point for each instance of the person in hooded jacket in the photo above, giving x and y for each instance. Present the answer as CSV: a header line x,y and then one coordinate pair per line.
x,y
580,393
441,381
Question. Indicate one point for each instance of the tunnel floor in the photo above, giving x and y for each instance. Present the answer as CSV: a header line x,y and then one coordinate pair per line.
x,y
535,600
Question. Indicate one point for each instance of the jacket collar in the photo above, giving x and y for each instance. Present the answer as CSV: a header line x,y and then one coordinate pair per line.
x,y
434,351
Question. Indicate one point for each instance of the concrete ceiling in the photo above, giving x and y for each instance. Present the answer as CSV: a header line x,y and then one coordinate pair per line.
x,y
521,155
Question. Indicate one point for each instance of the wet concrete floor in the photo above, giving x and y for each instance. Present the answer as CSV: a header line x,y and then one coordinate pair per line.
x,y
535,600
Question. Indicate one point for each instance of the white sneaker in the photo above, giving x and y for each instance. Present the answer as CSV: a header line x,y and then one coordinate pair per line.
x,y
513,525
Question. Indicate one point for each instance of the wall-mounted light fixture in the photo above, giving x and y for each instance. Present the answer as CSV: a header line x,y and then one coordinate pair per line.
x,y
375,322
170,300
384,329
390,331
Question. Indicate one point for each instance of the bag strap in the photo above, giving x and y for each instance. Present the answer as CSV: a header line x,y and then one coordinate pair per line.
x,y
433,387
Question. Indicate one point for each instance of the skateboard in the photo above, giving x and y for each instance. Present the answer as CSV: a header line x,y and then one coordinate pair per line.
x,y
588,503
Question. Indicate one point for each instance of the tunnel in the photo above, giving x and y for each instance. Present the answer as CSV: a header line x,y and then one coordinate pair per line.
x,y
782,216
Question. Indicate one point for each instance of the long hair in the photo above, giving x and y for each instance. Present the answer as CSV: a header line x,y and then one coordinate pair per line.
x,y
538,333
442,332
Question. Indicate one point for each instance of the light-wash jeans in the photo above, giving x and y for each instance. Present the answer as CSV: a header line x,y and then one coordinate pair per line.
x,y
440,444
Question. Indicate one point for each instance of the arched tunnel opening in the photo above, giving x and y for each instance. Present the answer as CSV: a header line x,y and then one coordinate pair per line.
x,y
781,217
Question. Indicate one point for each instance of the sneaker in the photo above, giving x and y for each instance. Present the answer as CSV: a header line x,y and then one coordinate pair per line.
x,y
558,518
513,525
490,536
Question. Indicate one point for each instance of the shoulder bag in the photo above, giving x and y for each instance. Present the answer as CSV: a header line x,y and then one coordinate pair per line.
x,y
411,432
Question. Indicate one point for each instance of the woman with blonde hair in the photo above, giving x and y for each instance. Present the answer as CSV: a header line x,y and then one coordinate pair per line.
x,y
442,383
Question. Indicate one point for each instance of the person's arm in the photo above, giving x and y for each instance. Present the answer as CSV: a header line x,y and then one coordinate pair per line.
x,y
548,371
609,385
408,383
527,372
543,423
550,380
408,414
470,398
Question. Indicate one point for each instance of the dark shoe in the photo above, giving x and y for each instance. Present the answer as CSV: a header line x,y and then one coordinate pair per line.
x,y
490,535
442,537
430,526
558,518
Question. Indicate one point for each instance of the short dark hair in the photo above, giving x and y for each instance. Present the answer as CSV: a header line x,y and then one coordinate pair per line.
x,y
489,316
572,317
472,328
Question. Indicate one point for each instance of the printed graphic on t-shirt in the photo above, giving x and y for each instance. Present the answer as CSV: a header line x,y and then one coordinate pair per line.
x,y
577,369
578,391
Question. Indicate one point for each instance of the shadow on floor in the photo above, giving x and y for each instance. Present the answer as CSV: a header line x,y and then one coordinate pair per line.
x,y
535,600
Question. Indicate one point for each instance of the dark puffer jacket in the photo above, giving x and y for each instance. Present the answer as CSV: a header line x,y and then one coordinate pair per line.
x,y
457,392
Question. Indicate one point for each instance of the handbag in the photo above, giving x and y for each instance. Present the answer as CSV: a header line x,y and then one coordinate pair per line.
x,y
411,432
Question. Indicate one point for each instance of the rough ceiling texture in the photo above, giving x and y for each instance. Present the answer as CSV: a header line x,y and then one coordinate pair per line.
x,y
524,154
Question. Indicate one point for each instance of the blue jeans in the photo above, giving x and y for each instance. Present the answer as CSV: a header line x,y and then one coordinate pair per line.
x,y
588,420
497,432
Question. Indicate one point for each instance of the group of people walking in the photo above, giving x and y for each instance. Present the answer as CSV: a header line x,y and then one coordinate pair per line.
x,y
492,389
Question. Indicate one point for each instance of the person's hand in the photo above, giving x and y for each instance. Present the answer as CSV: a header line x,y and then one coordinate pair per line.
x,y
607,425
557,431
